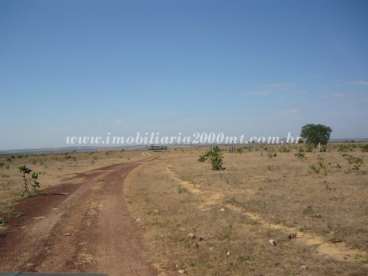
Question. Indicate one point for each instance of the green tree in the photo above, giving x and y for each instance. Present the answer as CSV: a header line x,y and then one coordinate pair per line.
x,y
315,134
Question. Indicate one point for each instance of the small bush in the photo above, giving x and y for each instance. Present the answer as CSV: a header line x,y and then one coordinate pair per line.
x,y
217,162
215,156
30,180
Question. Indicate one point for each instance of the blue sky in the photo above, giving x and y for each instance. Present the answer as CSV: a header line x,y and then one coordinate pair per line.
x,y
253,67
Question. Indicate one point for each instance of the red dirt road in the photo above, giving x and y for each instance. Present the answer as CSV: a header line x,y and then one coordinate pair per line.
x,y
82,227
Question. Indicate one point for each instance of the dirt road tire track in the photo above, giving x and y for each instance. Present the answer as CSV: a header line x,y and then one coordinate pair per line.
x,y
88,230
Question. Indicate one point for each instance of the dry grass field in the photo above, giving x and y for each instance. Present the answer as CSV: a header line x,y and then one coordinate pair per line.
x,y
262,215
272,211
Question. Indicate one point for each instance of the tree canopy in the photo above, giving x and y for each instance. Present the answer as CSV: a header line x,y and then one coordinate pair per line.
x,y
315,134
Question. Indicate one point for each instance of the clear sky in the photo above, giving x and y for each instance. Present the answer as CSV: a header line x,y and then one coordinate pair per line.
x,y
256,67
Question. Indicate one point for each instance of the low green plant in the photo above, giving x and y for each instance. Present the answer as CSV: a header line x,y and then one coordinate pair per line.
x,y
30,180
215,156
217,162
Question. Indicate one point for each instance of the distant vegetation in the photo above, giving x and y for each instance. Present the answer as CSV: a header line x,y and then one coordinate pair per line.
x,y
316,134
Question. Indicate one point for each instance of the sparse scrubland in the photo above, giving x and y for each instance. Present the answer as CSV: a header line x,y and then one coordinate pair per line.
x,y
274,210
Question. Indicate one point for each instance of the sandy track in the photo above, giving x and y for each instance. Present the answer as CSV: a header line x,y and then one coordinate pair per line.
x,y
89,229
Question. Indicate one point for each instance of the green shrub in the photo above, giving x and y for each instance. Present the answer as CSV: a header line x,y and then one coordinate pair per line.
x,y
217,162
215,156
30,180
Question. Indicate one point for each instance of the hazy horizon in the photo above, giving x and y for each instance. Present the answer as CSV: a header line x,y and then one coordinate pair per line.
x,y
263,68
